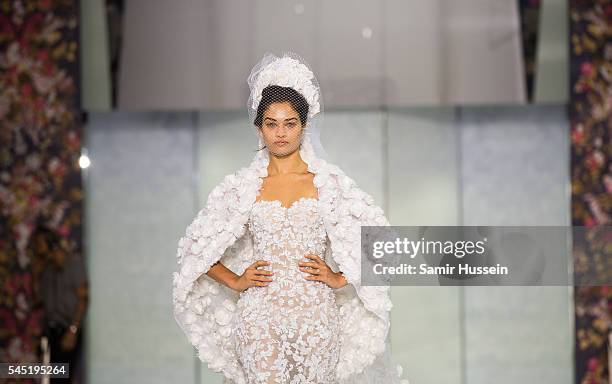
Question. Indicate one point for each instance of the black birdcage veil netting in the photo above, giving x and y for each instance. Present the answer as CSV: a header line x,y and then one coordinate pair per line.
x,y
289,70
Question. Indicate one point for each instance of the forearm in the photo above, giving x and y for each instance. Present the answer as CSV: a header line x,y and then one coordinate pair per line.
x,y
82,295
223,275
79,312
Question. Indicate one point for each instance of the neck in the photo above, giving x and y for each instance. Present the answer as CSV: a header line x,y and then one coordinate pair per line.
x,y
291,163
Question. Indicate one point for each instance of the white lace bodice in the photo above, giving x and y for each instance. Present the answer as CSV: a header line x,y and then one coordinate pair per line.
x,y
288,331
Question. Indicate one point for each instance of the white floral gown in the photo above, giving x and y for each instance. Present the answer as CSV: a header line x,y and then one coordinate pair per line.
x,y
288,331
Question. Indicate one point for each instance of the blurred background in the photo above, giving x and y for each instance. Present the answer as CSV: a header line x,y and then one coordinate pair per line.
x,y
118,117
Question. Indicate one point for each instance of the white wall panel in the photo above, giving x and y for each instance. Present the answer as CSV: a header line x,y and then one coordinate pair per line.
x,y
140,198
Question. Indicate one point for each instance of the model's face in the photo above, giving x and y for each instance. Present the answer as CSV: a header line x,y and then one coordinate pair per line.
x,y
281,129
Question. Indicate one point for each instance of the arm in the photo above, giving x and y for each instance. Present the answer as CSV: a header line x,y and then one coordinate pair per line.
x,y
319,270
81,291
223,275
69,338
82,294
251,277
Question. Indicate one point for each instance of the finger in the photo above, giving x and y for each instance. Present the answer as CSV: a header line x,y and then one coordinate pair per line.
x,y
263,272
259,263
257,276
318,262
312,277
315,258
260,279
260,283
315,262
314,271
308,264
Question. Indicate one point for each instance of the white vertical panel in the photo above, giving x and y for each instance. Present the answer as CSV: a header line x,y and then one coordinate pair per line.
x,y
350,52
515,172
515,165
423,190
355,142
282,25
423,167
426,333
95,80
188,54
552,59
226,143
482,53
163,57
227,40
140,199
411,49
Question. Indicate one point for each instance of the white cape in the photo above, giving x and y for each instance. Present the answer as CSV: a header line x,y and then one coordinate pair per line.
x,y
205,309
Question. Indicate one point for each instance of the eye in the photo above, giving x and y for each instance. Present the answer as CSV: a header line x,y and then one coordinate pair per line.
x,y
291,125
270,125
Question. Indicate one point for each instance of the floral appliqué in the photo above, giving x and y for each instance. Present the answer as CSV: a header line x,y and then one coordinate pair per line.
x,y
289,330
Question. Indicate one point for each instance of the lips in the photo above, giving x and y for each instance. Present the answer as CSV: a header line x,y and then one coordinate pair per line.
x,y
281,142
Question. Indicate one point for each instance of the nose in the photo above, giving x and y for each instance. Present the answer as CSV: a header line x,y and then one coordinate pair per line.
x,y
281,132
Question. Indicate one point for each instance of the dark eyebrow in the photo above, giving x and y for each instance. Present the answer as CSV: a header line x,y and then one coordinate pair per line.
x,y
291,118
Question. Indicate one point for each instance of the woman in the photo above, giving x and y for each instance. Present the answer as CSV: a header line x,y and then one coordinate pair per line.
x,y
269,287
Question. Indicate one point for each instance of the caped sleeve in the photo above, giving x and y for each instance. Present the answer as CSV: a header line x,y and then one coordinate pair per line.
x,y
365,355
204,308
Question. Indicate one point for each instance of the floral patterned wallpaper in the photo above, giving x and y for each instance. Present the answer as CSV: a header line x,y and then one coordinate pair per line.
x,y
591,170
40,141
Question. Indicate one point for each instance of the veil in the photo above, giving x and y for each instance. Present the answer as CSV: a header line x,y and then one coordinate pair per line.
x,y
289,70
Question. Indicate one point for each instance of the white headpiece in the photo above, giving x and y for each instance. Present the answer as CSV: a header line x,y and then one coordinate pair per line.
x,y
289,70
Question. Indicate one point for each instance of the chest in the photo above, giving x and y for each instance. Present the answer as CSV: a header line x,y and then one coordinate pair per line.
x,y
288,189
270,221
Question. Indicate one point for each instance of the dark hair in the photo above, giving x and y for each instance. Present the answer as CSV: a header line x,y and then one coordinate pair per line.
x,y
277,94
49,236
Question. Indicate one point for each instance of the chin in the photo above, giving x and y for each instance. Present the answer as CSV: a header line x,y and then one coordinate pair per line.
x,y
285,150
